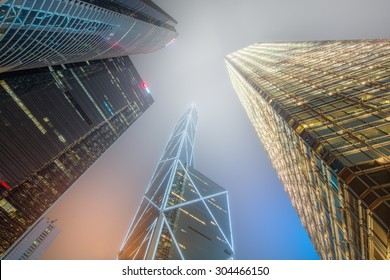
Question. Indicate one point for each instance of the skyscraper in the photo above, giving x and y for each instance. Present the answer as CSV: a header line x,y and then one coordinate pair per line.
x,y
75,93
52,32
35,242
183,214
322,112
54,123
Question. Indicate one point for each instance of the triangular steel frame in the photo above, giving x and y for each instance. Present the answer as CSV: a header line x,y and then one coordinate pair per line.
x,y
181,139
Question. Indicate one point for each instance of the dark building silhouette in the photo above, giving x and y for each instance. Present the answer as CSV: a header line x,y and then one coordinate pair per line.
x,y
75,92
54,123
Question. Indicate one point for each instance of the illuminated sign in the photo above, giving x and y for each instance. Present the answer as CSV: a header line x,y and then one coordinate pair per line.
x,y
5,185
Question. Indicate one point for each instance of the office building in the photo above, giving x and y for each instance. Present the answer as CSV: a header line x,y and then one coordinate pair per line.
x,y
54,123
183,214
51,32
35,242
322,112
75,92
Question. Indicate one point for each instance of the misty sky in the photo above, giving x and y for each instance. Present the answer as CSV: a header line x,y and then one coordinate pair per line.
x,y
95,214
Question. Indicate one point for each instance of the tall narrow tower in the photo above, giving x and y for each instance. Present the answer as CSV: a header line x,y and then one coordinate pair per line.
x,y
183,214
322,112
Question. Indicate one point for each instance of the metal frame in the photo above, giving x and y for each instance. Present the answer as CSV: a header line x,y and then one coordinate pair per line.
x,y
182,138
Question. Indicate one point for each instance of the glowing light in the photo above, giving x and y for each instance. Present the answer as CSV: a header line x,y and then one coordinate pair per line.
x,y
178,196
108,108
5,185
145,87
383,160
192,216
173,40
22,106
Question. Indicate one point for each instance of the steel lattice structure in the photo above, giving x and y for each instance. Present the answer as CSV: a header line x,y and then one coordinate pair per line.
x,y
183,214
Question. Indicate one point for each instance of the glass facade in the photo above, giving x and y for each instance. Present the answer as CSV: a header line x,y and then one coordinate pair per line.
x,y
322,112
34,242
54,123
183,215
52,32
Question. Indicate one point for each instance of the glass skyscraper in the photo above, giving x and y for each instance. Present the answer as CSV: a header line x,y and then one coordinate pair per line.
x,y
50,32
322,112
183,214
75,92
54,123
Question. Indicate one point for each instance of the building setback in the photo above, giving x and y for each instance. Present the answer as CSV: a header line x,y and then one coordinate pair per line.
x,y
52,32
183,214
35,242
54,123
322,112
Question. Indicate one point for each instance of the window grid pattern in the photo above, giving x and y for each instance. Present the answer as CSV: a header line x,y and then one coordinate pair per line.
x,y
34,242
39,167
322,111
183,214
42,33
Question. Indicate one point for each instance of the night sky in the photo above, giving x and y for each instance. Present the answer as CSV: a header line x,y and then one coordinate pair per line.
x,y
95,214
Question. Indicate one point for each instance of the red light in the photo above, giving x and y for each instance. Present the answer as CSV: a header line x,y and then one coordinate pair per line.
x,y
144,85
5,185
